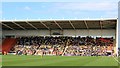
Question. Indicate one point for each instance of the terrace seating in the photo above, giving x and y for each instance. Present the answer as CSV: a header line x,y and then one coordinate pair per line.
x,y
81,46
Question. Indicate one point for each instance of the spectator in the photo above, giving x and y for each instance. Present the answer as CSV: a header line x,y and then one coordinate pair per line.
x,y
69,46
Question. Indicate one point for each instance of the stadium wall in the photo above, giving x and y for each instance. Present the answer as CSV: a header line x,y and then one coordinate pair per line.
x,y
89,32
103,33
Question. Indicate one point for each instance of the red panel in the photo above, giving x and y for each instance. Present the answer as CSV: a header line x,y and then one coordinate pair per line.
x,y
8,43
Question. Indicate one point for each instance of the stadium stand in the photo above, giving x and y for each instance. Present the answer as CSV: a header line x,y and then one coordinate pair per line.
x,y
73,37
64,46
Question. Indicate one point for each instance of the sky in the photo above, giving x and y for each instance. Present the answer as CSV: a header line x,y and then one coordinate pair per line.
x,y
54,9
59,9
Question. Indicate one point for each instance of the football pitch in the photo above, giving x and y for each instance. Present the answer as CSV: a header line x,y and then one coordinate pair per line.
x,y
14,60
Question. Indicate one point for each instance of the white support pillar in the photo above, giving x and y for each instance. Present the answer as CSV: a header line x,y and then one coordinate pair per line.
x,y
18,25
31,25
7,26
58,25
45,25
87,27
117,37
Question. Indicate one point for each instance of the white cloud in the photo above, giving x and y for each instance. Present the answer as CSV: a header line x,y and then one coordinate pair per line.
x,y
60,0
27,8
90,6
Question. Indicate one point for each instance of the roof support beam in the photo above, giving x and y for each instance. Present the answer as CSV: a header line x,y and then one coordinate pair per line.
x,y
101,25
7,26
86,24
31,25
18,25
58,25
71,24
44,25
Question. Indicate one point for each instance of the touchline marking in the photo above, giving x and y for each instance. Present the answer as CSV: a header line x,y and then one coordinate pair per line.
x,y
117,60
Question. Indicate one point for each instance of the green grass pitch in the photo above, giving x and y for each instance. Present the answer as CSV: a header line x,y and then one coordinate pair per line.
x,y
13,60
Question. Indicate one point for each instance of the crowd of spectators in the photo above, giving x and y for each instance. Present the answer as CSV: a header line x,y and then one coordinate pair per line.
x,y
64,46
119,51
